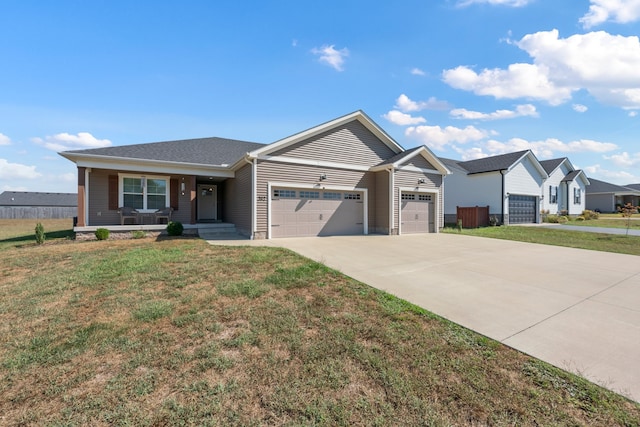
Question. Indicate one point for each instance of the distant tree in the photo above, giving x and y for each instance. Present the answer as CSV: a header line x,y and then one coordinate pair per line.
x,y
627,211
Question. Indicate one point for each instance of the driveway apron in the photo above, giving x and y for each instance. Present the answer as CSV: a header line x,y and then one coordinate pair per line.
x,y
576,309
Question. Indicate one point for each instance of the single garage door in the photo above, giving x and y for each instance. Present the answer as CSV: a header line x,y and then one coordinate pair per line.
x,y
416,213
302,212
522,209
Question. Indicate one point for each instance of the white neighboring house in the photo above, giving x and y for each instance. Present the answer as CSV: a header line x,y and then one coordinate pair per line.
x,y
510,184
565,189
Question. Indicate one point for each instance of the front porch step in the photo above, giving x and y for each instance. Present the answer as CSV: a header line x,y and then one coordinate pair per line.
x,y
219,231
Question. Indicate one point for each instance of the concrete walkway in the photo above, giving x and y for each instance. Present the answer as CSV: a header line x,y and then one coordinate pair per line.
x,y
576,309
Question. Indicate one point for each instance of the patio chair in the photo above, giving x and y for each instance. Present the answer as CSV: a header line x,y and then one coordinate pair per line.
x,y
128,213
164,213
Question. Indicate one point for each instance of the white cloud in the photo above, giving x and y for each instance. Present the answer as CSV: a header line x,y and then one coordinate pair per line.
x,y
403,103
332,57
403,119
550,147
621,11
633,113
65,141
603,64
518,81
13,171
471,153
418,72
525,110
616,177
512,3
4,139
437,137
580,108
624,159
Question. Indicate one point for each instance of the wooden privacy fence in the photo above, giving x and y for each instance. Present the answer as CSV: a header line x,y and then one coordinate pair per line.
x,y
37,212
473,217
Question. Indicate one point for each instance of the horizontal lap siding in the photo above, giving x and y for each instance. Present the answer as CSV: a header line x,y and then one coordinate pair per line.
x,y
300,174
419,162
382,202
237,200
348,144
410,179
98,187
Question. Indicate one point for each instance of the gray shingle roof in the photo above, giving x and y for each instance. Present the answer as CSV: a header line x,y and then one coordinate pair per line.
x,y
571,175
26,198
399,156
207,151
486,164
598,186
551,164
633,186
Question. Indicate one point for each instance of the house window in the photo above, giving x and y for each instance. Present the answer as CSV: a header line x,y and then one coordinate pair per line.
x,y
331,195
406,196
352,196
284,194
424,197
140,192
553,194
310,194
576,196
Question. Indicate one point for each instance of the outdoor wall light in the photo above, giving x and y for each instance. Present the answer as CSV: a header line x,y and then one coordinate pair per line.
x,y
422,181
323,177
182,187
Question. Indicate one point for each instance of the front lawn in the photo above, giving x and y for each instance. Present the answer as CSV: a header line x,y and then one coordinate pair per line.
x,y
178,332
552,236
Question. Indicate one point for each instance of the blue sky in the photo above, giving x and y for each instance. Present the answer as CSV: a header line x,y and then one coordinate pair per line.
x,y
468,78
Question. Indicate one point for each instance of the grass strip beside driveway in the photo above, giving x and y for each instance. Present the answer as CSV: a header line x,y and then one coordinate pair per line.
x,y
171,332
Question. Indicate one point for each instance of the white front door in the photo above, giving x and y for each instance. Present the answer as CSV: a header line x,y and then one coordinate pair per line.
x,y
207,202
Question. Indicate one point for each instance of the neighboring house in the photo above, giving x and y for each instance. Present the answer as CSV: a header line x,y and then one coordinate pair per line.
x,y
34,205
346,176
606,197
510,184
564,190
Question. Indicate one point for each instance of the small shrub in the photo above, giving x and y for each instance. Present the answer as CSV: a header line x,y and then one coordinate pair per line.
x,y
40,233
175,228
589,214
580,218
551,218
102,234
138,234
563,219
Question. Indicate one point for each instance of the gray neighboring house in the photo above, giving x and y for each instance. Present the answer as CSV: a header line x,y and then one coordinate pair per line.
x,y
565,188
345,176
35,205
606,197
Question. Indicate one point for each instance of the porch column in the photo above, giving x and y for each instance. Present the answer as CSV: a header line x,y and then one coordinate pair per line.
x,y
192,198
81,197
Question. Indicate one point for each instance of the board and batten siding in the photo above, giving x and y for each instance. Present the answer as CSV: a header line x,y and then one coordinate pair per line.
x,y
309,175
406,179
349,144
237,200
524,179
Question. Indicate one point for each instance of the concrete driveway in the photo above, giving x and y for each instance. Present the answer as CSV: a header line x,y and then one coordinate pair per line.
x,y
576,309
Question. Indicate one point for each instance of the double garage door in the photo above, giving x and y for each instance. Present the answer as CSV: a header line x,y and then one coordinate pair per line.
x,y
416,213
304,212
522,209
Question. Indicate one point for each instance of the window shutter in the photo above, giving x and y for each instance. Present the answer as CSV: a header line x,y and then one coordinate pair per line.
x,y
174,193
113,192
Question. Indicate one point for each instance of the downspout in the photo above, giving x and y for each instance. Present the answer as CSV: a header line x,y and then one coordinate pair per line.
x,y
391,205
254,191
502,196
86,195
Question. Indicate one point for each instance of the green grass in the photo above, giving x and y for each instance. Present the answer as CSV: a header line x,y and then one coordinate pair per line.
x,y
610,222
550,236
177,332
21,232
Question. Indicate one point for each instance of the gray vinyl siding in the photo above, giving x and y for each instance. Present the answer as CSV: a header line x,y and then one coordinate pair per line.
x,y
410,179
419,162
601,202
350,144
301,174
237,200
99,213
382,202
